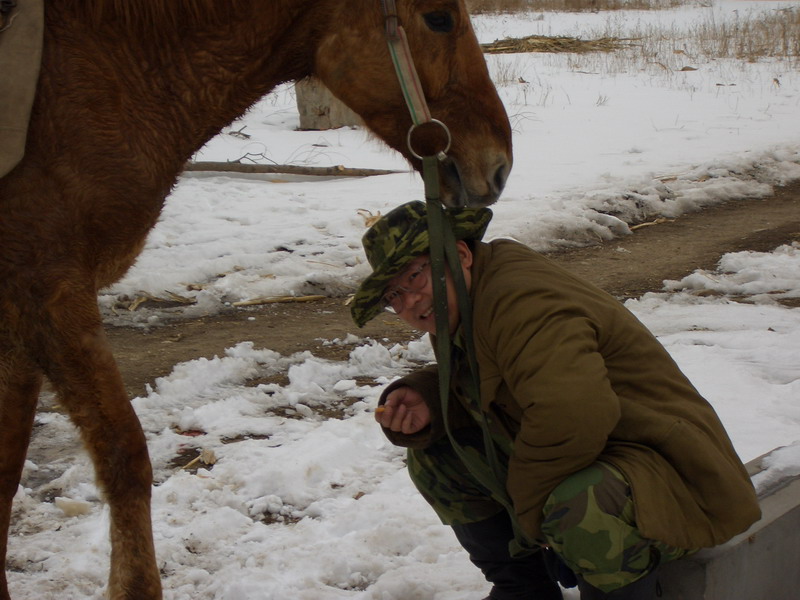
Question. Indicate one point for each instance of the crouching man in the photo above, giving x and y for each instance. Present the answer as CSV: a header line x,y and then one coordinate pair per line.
x,y
613,463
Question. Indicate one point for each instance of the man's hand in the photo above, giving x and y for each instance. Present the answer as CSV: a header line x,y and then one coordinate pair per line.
x,y
404,411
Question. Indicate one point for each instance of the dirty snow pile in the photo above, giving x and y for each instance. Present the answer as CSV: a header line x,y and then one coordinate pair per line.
x,y
295,494
302,497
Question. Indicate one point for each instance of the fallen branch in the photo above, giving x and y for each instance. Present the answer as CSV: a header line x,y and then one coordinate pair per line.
x,y
658,221
236,167
277,300
172,298
207,457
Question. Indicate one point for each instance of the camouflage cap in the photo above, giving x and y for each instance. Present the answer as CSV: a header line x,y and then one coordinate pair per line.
x,y
398,238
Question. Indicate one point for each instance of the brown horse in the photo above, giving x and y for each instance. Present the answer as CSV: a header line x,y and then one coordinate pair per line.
x,y
129,90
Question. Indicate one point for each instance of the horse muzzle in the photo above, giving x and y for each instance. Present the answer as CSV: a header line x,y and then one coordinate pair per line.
x,y
474,187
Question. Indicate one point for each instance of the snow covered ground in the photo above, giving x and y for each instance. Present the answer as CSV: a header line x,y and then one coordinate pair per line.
x,y
302,506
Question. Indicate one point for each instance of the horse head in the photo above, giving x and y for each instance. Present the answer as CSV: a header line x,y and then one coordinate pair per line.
x,y
354,62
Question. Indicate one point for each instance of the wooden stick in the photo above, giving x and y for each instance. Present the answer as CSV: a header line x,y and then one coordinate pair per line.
x,y
277,300
658,221
236,167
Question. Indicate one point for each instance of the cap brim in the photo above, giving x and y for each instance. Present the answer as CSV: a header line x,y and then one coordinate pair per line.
x,y
366,304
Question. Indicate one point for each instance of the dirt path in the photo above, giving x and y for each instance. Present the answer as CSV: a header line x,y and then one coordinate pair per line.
x,y
626,268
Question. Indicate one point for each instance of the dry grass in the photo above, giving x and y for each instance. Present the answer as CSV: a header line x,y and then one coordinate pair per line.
x,y
774,35
683,55
541,43
749,37
513,6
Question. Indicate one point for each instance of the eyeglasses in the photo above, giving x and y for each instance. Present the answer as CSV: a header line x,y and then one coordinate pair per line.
x,y
413,281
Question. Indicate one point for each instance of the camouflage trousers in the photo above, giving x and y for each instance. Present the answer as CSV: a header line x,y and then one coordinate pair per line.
x,y
588,520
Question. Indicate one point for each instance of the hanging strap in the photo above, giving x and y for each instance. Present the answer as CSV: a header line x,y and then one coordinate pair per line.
x,y
488,470
404,65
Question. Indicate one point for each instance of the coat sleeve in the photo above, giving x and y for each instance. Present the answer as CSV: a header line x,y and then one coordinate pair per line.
x,y
546,353
426,382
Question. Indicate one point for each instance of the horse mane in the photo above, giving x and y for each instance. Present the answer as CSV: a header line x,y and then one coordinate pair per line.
x,y
157,14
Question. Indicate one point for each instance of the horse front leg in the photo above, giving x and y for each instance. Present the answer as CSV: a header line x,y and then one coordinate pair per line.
x,y
83,371
19,391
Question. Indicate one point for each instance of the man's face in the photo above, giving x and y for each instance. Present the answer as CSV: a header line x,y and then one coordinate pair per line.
x,y
411,292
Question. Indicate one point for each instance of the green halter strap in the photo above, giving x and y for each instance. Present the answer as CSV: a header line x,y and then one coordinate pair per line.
x,y
487,470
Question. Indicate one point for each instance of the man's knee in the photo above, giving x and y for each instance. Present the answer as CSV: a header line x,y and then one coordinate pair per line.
x,y
589,522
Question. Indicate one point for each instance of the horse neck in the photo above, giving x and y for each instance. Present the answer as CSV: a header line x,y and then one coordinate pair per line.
x,y
173,88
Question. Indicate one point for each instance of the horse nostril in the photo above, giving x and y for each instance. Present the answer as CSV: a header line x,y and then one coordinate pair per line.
x,y
500,177
455,193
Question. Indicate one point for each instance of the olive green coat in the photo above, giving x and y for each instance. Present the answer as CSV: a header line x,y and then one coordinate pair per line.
x,y
573,377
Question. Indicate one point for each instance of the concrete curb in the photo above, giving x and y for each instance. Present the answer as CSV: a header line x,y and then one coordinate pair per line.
x,y
763,563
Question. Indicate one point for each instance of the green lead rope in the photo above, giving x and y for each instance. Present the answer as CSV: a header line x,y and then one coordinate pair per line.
x,y
404,65
488,470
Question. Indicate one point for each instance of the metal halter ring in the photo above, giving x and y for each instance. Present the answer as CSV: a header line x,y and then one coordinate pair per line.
x,y
442,154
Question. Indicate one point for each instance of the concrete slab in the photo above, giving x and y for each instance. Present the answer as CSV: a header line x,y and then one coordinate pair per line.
x,y
762,563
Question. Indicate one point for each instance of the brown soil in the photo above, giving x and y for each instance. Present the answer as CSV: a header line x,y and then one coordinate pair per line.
x,y
626,267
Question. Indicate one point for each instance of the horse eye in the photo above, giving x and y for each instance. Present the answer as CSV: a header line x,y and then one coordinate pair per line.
x,y
439,21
